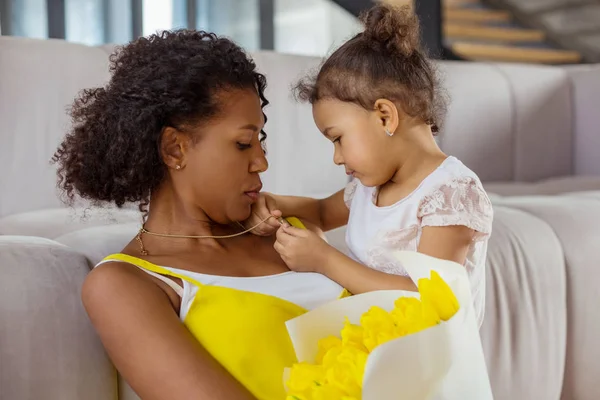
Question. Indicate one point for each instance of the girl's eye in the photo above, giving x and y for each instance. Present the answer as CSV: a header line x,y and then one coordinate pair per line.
x,y
243,146
337,140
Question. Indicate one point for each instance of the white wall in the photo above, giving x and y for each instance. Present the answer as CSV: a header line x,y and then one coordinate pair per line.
x,y
311,27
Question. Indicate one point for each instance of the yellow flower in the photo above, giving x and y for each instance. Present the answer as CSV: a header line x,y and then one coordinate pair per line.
x,y
379,327
353,335
340,363
344,368
411,315
436,293
303,378
330,392
297,397
325,345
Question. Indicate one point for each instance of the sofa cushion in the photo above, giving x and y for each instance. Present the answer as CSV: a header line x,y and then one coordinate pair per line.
x,y
97,242
47,345
585,89
524,327
575,220
52,223
553,186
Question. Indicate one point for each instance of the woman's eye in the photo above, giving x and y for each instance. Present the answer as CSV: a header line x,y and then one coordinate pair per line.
x,y
337,140
243,146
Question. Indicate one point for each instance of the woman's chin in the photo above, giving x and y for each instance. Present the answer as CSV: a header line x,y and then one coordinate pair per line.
x,y
242,214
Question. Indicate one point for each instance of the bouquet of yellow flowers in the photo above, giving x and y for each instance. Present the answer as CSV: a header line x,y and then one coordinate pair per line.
x,y
393,344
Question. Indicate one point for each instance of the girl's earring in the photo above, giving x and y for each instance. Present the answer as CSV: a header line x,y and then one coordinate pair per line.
x,y
387,132
178,167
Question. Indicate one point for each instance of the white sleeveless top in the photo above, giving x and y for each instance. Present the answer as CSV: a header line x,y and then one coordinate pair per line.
x,y
451,195
308,290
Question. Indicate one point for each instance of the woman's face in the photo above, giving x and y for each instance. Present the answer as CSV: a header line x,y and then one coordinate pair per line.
x,y
221,173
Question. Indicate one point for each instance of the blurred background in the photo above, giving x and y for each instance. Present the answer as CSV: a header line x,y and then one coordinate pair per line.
x,y
530,31
531,132
300,27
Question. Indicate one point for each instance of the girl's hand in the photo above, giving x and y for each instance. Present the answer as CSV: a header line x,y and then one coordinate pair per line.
x,y
302,250
263,208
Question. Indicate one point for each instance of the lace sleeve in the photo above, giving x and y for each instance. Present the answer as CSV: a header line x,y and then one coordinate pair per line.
x,y
349,192
462,201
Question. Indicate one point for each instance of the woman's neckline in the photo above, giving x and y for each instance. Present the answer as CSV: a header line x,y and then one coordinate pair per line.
x,y
185,271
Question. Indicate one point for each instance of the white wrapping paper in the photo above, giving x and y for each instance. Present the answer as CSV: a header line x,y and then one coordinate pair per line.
x,y
444,362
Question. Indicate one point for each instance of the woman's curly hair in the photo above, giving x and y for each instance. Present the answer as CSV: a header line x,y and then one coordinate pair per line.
x,y
111,154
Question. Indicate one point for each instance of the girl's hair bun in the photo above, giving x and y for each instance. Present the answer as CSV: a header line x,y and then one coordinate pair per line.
x,y
396,28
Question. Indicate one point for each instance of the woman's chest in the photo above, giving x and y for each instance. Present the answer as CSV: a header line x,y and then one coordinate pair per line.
x,y
241,322
254,258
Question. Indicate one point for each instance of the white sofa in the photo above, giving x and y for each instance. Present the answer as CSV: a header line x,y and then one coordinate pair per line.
x,y
531,133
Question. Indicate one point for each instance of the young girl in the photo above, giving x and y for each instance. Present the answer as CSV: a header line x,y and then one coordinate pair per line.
x,y
376,99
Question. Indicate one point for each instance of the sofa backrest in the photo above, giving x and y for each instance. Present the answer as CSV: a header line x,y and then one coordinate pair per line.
x,y
38,81
506,122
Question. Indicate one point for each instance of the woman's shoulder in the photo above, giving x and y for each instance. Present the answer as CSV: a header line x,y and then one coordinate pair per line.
x,y
112,282
120,280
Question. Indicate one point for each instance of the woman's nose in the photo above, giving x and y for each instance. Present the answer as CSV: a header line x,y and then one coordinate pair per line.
x,y
260,163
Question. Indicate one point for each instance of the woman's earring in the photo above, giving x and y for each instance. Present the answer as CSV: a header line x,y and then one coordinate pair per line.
x,y
178,167
387,132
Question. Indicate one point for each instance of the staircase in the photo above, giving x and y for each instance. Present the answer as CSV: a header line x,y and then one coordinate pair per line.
x,y
475,30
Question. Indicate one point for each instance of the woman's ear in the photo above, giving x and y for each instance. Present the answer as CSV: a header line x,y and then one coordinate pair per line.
x,y
387,113
173,146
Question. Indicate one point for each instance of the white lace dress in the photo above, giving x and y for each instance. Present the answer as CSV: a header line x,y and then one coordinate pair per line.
x,y
451,195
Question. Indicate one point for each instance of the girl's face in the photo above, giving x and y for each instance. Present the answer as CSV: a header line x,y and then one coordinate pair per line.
x,y
360,141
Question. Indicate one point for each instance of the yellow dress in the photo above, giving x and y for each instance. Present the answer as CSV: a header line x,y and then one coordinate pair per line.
x,y
244,331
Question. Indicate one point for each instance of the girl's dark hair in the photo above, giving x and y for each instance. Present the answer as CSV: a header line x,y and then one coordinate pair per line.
x,y
384,61
111,154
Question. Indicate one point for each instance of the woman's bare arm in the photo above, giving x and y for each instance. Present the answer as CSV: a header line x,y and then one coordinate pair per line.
x,y
147,342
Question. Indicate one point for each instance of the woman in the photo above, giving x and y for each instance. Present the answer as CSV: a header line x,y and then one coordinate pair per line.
x,y
192,307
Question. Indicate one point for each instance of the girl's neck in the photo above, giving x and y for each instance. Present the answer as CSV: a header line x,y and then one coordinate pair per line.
x,y
419,155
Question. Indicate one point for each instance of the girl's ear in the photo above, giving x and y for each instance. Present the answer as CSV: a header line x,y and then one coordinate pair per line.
x,y
388,114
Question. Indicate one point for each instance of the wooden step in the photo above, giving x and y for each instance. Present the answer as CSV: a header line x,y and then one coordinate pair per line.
x,y
398,3
459,3
475,15
445,3
488,52
453,30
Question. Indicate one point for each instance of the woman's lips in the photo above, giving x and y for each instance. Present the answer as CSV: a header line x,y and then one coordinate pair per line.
x,y
253,195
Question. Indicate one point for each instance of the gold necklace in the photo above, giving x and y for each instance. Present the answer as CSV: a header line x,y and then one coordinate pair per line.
x,y
142,230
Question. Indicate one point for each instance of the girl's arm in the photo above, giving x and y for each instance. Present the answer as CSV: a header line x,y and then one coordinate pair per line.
x,y
147,342
358,278
327,214
305,252
450,242
444,242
